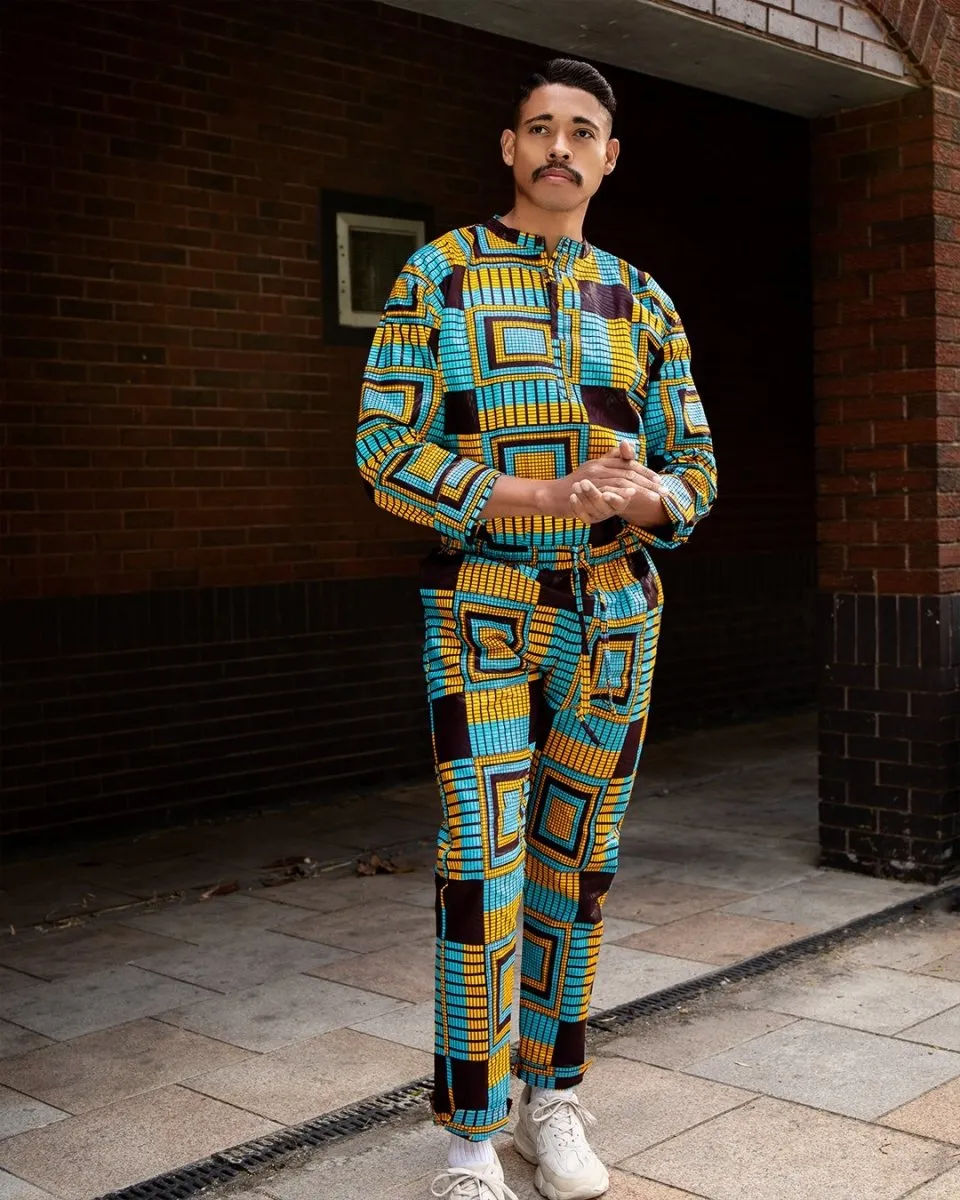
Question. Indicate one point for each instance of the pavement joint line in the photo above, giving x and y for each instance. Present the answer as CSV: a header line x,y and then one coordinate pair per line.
x,y
247,1158
248,885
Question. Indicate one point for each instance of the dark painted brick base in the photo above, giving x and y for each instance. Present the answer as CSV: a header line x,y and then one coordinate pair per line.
x,y
890,734
144,710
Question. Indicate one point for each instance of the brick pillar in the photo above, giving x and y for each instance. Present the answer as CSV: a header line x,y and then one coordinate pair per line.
x,y
887,315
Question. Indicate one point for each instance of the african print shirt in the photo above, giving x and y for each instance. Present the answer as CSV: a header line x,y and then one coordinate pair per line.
x,y
493,356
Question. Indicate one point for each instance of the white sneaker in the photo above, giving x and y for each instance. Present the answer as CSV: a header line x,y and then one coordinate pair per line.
x,y
552,1134
473,1183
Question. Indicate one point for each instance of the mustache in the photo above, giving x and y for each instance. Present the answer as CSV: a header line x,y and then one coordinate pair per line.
x,y
562,167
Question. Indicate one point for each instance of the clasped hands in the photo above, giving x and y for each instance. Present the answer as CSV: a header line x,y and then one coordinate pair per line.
x,y
615,485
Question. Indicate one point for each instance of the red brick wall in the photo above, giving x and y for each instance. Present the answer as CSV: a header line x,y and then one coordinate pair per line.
x,y
191,628
887,203
175,418
887,247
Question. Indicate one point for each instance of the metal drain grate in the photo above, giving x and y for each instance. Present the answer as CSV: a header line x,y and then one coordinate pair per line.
x,y
227,1165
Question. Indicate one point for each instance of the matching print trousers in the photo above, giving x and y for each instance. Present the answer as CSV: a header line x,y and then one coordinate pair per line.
x,y
539,664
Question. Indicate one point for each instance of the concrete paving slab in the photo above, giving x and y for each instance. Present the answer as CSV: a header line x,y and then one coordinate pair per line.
x,y
215,920
14,1039
12,1188
519,1175
128,1142
102,1068
677,842
242,961
824,899
68,952
52,898
367,1166
159,877
15,981
275,1014
759,811
871,998
947,967
825,1066
719,938
411,1025
315,1076
624,974
251,860
771,1148
741,875
615,929
637,1105
86,1003
944,1187
364,1170
676,1040
320,894
19,1112
936,1114
370,927
363,835
405,971
902,949
661,901
632,865
942,1030
327,893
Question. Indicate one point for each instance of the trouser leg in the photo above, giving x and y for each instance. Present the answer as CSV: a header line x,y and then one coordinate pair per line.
x,y
480,715
579,795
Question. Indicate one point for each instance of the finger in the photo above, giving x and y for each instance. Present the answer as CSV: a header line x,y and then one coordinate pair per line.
x,y
587,509
613,468
644,472
597,501
579,509
617,485
615,503
627,452
619,493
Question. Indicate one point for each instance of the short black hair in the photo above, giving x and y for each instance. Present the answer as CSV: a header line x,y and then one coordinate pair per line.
x,y
571,72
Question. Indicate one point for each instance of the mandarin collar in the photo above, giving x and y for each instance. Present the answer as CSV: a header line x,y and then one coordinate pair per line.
x,y
568,250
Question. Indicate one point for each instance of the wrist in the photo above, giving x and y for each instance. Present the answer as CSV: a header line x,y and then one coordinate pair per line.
x,y
541,498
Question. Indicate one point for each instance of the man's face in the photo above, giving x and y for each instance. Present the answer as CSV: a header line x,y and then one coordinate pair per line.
x,y
561,148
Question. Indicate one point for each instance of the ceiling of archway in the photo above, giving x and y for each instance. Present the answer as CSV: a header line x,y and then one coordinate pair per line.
x,y
672,44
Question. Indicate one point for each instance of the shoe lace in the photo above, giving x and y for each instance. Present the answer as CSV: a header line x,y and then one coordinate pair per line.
x,y
568,1120
458,1179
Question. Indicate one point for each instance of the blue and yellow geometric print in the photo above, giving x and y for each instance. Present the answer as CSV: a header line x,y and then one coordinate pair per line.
x,y
533,801
494,357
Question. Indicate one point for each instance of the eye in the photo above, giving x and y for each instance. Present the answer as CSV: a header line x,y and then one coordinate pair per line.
x,y
537,128
585,132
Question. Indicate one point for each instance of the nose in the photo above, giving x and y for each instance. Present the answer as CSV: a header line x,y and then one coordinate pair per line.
x,y
559,151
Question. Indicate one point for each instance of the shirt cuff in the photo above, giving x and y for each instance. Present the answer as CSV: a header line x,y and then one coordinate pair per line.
x,y
461,497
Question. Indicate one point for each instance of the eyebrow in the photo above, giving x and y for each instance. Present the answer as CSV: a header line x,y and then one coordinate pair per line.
x,y
576,120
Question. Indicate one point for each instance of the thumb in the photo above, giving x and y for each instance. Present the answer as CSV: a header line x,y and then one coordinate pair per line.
x,y
627,452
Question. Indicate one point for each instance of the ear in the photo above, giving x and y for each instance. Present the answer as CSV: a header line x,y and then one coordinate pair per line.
x,y
612,153
508,142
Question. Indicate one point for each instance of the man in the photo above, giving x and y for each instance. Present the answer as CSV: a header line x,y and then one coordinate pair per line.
x,y
529,397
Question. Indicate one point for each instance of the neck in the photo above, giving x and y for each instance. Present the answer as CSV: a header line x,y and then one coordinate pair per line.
x,y
551,226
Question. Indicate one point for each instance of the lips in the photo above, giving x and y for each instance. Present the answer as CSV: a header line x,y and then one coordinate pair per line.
x,y
556,173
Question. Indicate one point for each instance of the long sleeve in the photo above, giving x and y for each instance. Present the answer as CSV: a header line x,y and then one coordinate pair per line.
x,y
679,445
401,411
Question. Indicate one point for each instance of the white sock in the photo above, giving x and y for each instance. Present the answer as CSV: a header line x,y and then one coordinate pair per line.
x,y
464,1153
